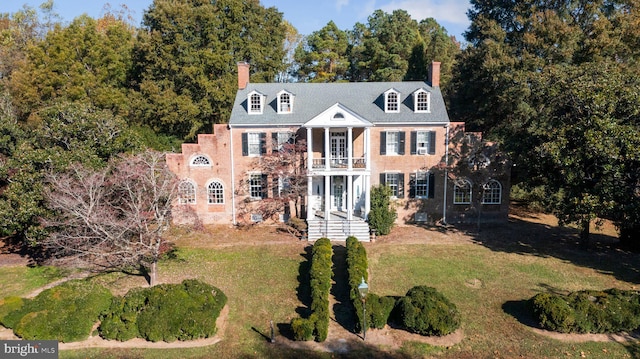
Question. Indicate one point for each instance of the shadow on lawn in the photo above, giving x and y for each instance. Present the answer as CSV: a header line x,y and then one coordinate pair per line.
x,y
528,238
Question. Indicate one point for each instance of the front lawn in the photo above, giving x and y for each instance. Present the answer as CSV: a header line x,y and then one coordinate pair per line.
x,y
488,277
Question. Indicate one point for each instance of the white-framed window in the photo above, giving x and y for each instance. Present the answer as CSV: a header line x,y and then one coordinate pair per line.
x,y
393,143
462,192
186,192
422,142
421,185
255,103
215,192
279,139
254,144
256,186
200,161
422,101
492,193
391,101
395,181
285,102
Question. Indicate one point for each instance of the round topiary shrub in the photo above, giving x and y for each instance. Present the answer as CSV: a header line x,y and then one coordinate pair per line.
x,y
65,313
609,311
166,312
426,311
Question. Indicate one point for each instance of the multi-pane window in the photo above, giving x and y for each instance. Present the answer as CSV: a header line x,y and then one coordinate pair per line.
x,y
200,160
255,103
392,180
186,192
492,192
253,144
422,142
392,102
280,139
284,105
393,143
462,192
422,101
255,186
421,185
215,192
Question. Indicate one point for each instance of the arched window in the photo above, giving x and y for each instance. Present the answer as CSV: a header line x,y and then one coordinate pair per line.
x,y
422,101
492,193
256,101
200,160
462,192
186,192
392,101
284,105
215,193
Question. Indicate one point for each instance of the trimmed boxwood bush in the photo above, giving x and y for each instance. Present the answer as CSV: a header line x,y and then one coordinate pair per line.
x,y
320,280
66,312
426,311
302,328
609,311
378,308
166,312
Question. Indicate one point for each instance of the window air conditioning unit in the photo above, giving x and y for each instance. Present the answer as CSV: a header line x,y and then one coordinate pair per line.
x,y
422,151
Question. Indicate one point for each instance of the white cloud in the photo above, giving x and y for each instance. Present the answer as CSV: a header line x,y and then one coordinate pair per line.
x,y
450,11
365,10
340,4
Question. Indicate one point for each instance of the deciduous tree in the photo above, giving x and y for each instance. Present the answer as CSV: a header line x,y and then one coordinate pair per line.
x,y
112,218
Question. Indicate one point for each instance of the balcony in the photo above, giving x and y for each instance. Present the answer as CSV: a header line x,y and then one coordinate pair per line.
x,y
339,163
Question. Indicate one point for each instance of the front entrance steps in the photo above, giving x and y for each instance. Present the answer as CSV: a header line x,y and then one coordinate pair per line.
x,y
337,228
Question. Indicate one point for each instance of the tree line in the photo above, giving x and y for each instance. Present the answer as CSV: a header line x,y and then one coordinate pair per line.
x,y
554,83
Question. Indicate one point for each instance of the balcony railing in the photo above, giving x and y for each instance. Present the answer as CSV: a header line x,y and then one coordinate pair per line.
x,y
339,163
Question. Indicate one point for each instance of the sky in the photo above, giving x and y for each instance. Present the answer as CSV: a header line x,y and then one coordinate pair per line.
x,y
307,18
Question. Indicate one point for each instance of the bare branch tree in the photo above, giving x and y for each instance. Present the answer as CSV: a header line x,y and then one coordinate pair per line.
x,y
284,185
112,218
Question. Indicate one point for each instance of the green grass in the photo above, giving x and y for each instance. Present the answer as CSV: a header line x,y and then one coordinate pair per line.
x,y
20,280
487,281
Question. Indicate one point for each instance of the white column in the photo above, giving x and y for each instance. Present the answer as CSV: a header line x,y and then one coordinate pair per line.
x,y
327,196
309,149
367,147
350,148
349,197
367,195
310,213
327,149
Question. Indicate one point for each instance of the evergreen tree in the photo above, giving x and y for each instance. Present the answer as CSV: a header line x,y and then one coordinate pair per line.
x,y
185,60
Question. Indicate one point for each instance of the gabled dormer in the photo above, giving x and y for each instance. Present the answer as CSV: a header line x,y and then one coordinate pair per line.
x,y
255,103
421,101
285,102
391,101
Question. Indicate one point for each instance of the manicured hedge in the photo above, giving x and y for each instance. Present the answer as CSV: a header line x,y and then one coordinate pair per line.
x,y
166,312
320,279
609,311
426,311
66,312
378,308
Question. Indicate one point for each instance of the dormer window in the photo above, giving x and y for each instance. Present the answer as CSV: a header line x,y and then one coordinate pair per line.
x,y
392,101
255,103
422,101
285,102
200,161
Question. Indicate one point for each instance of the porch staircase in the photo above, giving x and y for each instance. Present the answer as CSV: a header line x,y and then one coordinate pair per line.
x,y
337,229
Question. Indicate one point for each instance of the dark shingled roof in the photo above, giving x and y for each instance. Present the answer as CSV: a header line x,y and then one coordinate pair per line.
x,y
364,98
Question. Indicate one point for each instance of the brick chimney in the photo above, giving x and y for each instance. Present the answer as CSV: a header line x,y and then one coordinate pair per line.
x,y
243,75
434,74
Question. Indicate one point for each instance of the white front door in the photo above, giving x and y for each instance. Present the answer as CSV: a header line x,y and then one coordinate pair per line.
x,y
337,193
